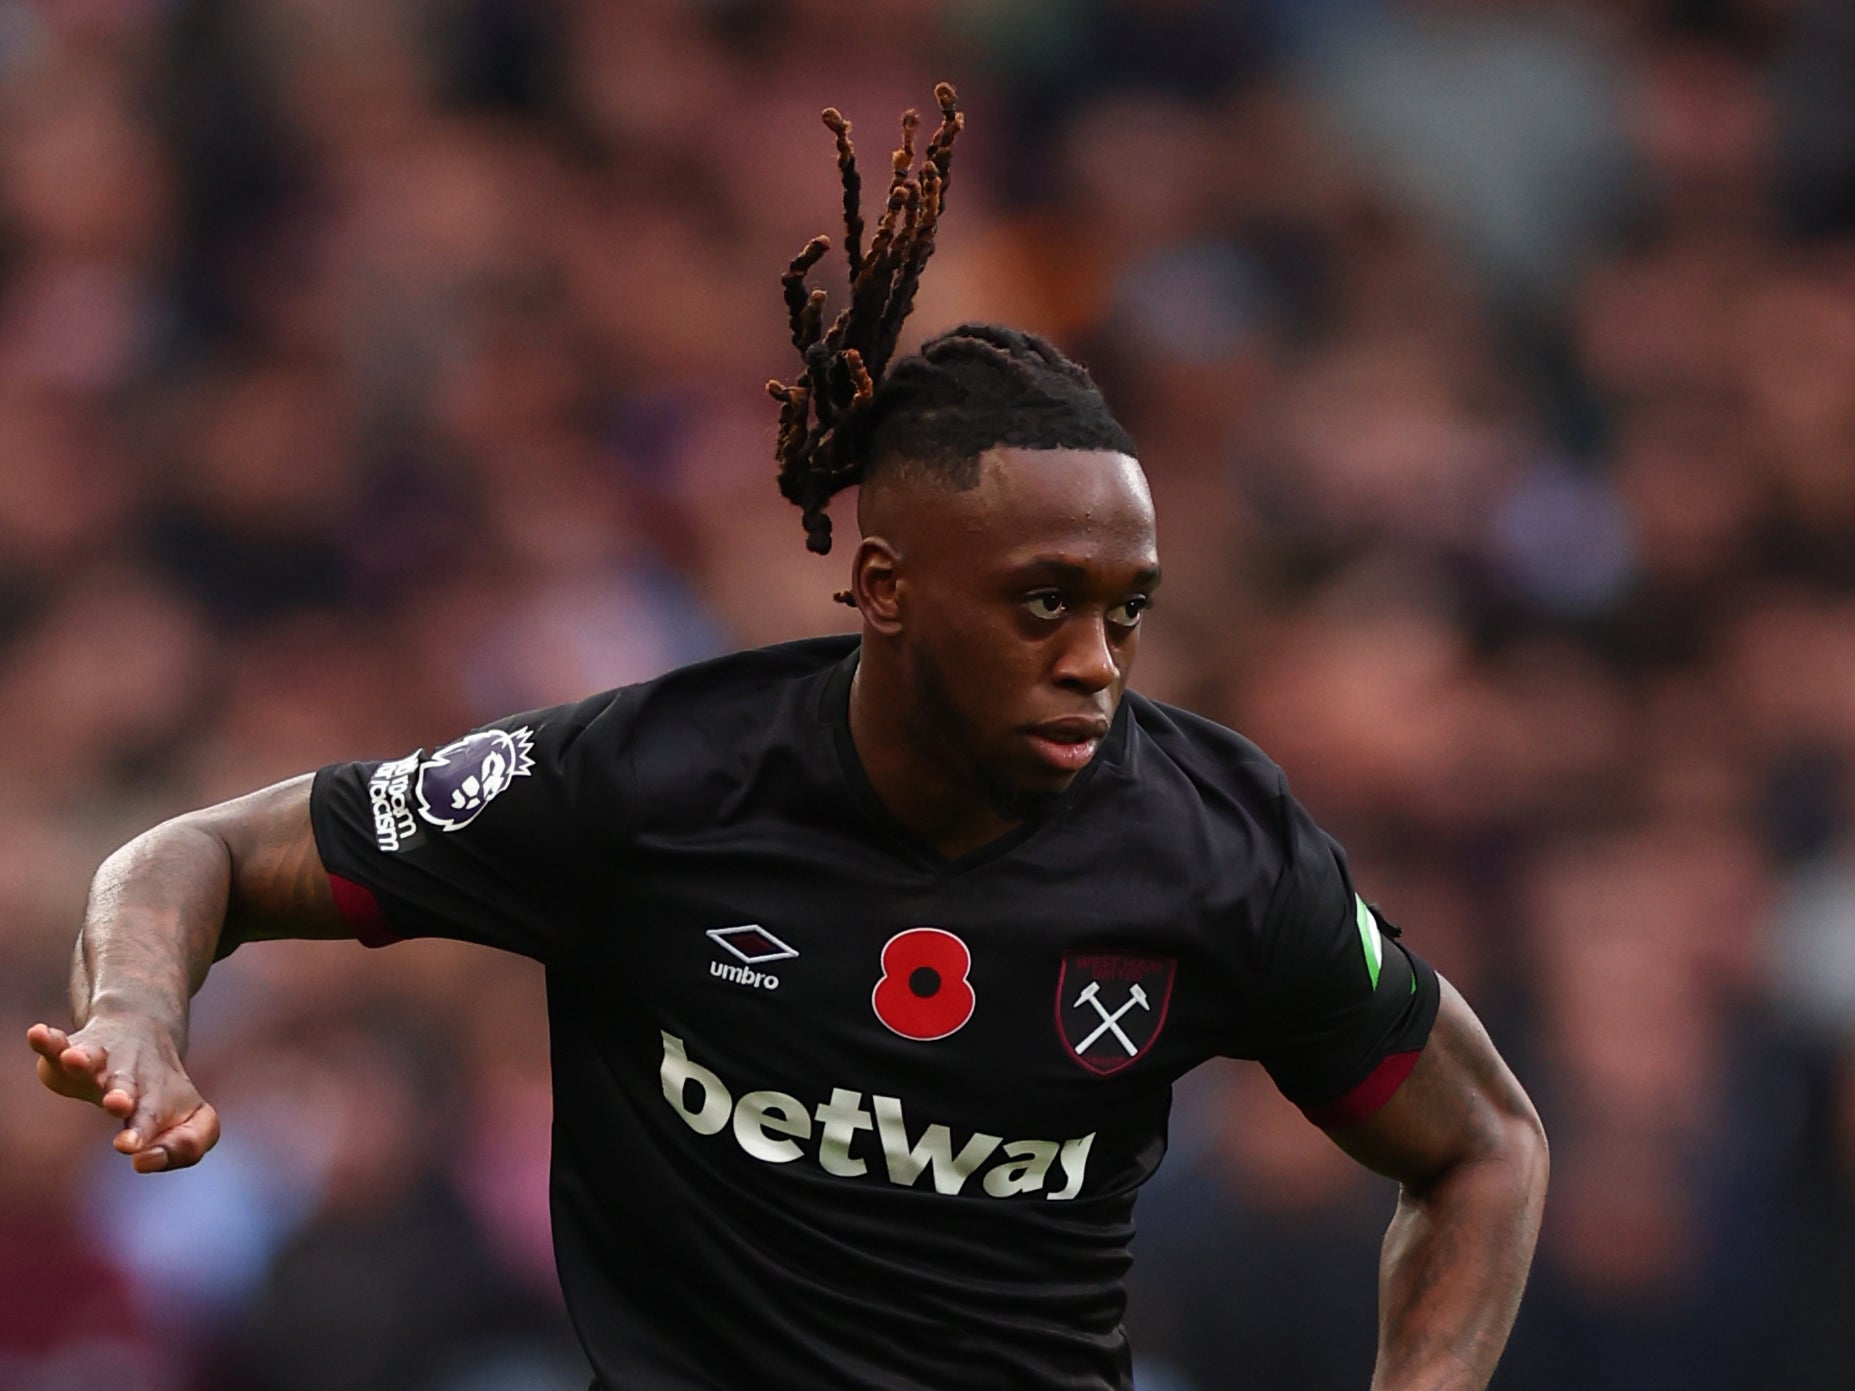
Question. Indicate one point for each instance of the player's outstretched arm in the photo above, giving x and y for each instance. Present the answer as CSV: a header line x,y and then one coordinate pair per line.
x,y
1466,1144
157,907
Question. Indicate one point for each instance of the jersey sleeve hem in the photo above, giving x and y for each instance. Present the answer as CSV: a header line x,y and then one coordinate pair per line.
x,y
362,912
1364,1100
1351,1095
358,903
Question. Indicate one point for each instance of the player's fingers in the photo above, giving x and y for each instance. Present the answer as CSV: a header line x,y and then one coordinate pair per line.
x,y
119,1095
80,1085
84,1062
155,1108
180,1145
165,1103
78,1059
66,1068
47,1041
54,1078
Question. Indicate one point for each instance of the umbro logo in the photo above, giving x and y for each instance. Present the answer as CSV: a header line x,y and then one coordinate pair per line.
x,y
751,945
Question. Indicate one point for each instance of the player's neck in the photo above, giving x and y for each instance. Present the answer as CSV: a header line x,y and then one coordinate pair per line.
x,y
920,783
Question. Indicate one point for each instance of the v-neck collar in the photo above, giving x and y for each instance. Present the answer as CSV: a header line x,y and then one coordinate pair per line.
x,y
835,710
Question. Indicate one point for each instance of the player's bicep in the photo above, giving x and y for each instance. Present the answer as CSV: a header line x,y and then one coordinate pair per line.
x,y
1459,1103
279,887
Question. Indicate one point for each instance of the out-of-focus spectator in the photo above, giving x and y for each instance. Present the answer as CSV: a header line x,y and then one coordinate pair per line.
x,y
69,1318
368,370
387,1282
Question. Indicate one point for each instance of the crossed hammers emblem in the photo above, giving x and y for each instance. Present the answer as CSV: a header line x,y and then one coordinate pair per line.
x,y
1110,1023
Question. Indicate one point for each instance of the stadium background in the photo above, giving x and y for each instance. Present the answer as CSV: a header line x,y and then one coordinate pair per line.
x,y
370,369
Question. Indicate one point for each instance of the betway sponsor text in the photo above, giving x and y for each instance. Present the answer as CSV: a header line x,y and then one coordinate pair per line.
x,y
776,1128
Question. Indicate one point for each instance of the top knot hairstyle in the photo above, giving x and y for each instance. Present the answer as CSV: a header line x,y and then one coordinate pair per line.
x,y
970,389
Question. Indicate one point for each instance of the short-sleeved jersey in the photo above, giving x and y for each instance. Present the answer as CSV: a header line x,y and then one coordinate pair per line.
x,y
829,1108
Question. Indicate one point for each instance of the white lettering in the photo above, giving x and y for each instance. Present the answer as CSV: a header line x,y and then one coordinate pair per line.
x,y
740,975
842,1117
1030,1161
758,1112
385,836
677,1072
935,1147
386,793
1075,1165
769,1125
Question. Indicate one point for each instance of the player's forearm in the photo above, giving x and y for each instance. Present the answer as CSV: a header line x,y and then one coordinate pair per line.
x,y
156,909
1455,1262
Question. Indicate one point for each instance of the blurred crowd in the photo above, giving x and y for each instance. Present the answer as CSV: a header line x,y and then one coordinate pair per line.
x,y
372,368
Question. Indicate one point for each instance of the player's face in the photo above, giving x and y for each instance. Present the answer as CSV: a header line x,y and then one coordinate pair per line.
x,y
1020,604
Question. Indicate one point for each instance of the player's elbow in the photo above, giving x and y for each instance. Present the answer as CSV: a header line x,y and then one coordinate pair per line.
x,y
1513,1144
1501,1149
1527,1150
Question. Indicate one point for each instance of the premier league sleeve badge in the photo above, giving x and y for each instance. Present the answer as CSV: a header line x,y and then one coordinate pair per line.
x,y
458,781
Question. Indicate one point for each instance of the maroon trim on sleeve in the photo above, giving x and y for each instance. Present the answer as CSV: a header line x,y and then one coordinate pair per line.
x,y
1368,1096
362,910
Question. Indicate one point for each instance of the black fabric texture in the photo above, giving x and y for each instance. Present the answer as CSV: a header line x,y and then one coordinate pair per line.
x,y
759,1176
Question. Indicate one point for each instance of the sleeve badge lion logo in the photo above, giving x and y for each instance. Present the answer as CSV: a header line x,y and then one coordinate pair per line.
x,y
465,776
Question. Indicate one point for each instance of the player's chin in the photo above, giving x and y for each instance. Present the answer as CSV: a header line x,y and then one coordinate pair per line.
x,y
1035,779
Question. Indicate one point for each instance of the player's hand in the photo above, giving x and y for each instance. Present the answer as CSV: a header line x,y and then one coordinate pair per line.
x,y
134,1074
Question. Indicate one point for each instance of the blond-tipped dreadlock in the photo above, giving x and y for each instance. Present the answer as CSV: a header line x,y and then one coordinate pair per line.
x,y
966,391
843,363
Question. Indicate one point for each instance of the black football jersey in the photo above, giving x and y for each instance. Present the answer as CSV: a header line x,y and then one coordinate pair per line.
x,y
829,1108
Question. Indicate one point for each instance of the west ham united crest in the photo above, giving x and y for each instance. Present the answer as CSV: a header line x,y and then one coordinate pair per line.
x,y
1110,1006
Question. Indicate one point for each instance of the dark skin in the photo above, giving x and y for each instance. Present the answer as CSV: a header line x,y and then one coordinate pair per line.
x,y
988,614
999,626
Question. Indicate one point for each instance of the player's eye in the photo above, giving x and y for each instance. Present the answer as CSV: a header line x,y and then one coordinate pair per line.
x,y
1126,614
1048,605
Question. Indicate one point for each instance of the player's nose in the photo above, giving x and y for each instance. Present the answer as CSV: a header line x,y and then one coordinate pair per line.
x,y
1086,660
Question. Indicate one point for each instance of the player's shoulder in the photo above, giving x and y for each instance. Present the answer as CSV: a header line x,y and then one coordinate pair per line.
x,y
1219,763
1200,810
752,682
718,700
678,742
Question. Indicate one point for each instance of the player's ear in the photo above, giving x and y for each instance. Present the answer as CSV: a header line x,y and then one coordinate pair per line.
x,y
875,583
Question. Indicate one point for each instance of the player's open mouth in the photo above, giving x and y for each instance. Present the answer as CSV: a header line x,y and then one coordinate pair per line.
x,y
1067,744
